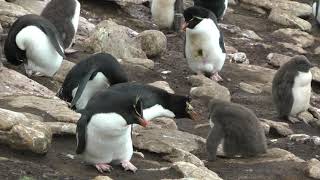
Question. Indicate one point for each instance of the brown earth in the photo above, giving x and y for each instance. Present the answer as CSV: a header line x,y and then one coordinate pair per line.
x,y
57,165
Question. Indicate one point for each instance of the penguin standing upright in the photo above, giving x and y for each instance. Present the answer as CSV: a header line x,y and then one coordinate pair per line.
x,y
157,102
89,76
218,7
204,47
316,10
104,132
34,41
64,14
163,12
291,87
238,127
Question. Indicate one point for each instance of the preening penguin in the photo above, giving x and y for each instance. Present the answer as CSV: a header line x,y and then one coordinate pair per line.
x,y
204,47
157,102
64,14
104,131
163,12
34,41
291,87
238,127
218,7
96,73
316,10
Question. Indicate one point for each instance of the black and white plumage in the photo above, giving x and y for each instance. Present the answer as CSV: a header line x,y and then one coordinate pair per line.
x,y
316,10
34,41
96,73
157,102
163,12
291,87
64,14
238,128
104,131
218,7
204,47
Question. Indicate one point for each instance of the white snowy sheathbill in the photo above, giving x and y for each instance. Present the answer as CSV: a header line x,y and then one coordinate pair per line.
x,y
64,14
104,131
34,41
163,12
316,10
204,47
291,88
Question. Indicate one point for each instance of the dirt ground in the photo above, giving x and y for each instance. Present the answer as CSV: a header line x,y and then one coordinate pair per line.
x,y
57,164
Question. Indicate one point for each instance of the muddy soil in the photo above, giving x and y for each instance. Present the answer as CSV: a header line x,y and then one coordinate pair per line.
x,y
57,164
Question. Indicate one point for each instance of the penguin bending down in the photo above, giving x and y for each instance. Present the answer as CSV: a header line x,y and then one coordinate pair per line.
x,y
218,7
316,10
291,87
163,12
157,102
104,131
238,128
97,72
34,41
204,47
64,14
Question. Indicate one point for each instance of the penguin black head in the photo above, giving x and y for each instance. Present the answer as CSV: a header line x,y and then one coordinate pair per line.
x,y
194,15
135,113
301,63
181,107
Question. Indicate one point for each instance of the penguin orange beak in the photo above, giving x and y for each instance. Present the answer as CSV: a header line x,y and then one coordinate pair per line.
x,y
143,122
184,26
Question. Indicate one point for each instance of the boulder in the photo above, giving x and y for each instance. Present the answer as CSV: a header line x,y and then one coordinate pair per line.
x,y
280,128
277,60
313,168
303,39
239,57
85,27
163,85
34,6
293,47
102,178
180,155
252,89
20,132
306,117
62,72
315,74
189,170
9,12
61,128
152,42
127,2
115,39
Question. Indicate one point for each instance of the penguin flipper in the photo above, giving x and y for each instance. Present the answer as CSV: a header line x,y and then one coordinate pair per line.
x,y
54,38
81,87
81,133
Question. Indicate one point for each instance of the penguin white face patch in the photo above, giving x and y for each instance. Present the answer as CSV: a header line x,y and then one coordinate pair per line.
x,y
157,111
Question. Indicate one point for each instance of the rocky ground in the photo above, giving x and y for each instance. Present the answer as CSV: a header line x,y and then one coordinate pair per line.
x,y
37,129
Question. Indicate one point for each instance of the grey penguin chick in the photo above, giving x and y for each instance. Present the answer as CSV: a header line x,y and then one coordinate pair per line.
x,y
204,47
64,14
34,41
104,130
291,87
238,127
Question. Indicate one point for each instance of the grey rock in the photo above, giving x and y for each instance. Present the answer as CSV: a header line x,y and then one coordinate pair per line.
x,y
315,140
85,27
19,132
54,107
34,6
253,8
163,85
277,60
166,140
153,42
251,35
266,128
180,155
251,88
239,57
115,39
293,47
313,168
281,128
288,19
62,72
301,38
301,138
14,83
61,128
128,2
189,170
306,117
232,2
317,50
9,12
102,178
315,74
160,123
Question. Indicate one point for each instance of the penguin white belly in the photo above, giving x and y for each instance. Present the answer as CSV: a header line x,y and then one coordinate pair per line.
x,y
157,111
108,139
163,12
75,20
41,55
203,51
98,83
314,10
301,92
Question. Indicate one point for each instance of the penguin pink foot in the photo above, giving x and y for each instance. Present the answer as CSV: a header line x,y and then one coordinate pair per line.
x,y
103,167
127,165
216,77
